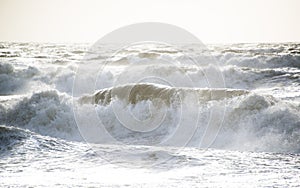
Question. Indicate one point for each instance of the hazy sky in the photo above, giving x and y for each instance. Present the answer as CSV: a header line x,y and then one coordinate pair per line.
x,y
212,21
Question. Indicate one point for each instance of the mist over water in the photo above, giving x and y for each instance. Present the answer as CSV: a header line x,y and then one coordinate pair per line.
x,y
258,143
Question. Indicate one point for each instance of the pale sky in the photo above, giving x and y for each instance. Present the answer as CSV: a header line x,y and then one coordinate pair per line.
x,y
212,21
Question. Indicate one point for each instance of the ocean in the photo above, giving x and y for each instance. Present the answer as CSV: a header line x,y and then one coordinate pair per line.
x,y
149,115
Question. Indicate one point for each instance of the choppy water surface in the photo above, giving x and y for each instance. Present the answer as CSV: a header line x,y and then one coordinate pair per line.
x,y
257,145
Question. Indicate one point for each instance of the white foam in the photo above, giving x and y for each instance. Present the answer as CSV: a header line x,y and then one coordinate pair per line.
x,y
47,113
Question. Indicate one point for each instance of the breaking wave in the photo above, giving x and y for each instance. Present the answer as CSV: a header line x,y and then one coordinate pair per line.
x,y
251,122
46,113
36,95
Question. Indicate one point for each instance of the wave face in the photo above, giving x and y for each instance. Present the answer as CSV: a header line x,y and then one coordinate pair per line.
x,y
136,93
258,104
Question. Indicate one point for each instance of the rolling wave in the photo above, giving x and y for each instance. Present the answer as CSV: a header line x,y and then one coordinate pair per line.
x,y
36,83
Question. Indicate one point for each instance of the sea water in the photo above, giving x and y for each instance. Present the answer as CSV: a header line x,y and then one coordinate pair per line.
x,y
178,127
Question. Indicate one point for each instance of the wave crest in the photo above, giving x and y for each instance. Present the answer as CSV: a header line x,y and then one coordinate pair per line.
x,y
134,93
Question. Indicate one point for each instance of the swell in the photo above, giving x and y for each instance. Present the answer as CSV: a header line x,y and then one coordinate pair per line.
x,y
18,141
11,136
